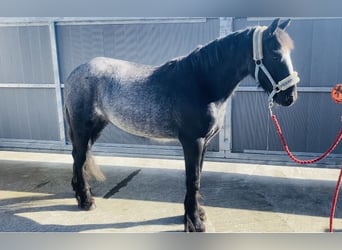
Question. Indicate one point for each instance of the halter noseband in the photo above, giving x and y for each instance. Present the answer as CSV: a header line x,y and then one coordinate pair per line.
x,y
284,84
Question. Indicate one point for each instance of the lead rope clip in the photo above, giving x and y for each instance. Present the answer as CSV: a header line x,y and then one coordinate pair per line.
x,y
270,106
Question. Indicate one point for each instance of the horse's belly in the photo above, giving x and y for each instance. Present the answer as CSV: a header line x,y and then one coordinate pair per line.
x,y
139,109
145,126
145,129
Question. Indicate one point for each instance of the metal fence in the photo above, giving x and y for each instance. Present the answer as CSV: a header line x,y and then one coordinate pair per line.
x,y
37,54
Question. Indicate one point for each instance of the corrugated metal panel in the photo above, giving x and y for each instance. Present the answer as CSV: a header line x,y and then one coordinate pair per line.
x,y
249,121
310,125
326,53
28,114
148,43
25,55
151,44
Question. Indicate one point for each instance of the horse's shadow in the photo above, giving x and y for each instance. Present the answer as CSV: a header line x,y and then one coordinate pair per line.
x,y
28,225
223,190
14,222
41,187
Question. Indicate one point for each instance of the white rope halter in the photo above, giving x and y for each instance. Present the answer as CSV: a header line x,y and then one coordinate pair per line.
x,y
284,84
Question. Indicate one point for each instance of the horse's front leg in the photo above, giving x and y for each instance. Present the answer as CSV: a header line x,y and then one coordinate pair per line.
x,y
193,152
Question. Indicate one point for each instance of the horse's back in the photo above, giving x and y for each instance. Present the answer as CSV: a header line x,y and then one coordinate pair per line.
x,y
101,67
102,74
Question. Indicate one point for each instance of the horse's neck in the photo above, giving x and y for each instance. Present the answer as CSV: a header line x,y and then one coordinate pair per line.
x,y
229,65
238,57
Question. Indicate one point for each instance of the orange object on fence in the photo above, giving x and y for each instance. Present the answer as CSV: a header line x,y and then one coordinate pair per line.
x,y
336,93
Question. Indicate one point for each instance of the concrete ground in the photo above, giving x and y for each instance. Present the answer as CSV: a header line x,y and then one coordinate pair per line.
x,y
36,196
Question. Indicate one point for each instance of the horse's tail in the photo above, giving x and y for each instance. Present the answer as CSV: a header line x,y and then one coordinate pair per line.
x,y
90,167
67,115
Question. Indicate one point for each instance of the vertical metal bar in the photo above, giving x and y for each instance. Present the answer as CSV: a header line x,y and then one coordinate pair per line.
x,y
57,82
226,27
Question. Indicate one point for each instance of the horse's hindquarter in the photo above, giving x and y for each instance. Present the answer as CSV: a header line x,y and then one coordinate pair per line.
x,y
129,99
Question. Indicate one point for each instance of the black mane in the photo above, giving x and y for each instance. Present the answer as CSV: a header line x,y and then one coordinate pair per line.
x,y
210,55
218,50
209,64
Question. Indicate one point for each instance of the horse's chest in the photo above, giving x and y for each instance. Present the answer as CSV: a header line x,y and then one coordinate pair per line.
x,y
217,115
207,122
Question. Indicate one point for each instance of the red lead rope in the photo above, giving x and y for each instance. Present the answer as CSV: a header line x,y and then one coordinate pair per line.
x,y
334,201
311,161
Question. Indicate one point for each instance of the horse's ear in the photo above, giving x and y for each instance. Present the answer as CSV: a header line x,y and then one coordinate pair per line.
x,y
285,24
273,26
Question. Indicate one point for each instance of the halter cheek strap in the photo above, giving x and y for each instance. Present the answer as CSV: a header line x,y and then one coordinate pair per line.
x,y
284,84
257,42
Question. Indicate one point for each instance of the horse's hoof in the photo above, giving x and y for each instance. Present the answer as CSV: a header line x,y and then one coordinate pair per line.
x,y
87,206
191,229
190,226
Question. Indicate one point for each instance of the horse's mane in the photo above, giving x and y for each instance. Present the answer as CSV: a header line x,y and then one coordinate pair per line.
x,y
207,55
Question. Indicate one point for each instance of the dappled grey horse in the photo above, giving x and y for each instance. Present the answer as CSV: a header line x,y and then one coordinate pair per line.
x,y
184,99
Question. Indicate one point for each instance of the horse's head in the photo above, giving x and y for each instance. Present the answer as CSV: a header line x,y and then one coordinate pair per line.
x,y
272,66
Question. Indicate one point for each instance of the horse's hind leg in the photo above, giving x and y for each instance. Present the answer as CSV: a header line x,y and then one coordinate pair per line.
x,y
82,139
193,153
79,180
82,135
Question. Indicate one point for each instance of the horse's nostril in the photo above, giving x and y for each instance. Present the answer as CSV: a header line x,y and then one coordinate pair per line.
x,y
289,100
286,100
